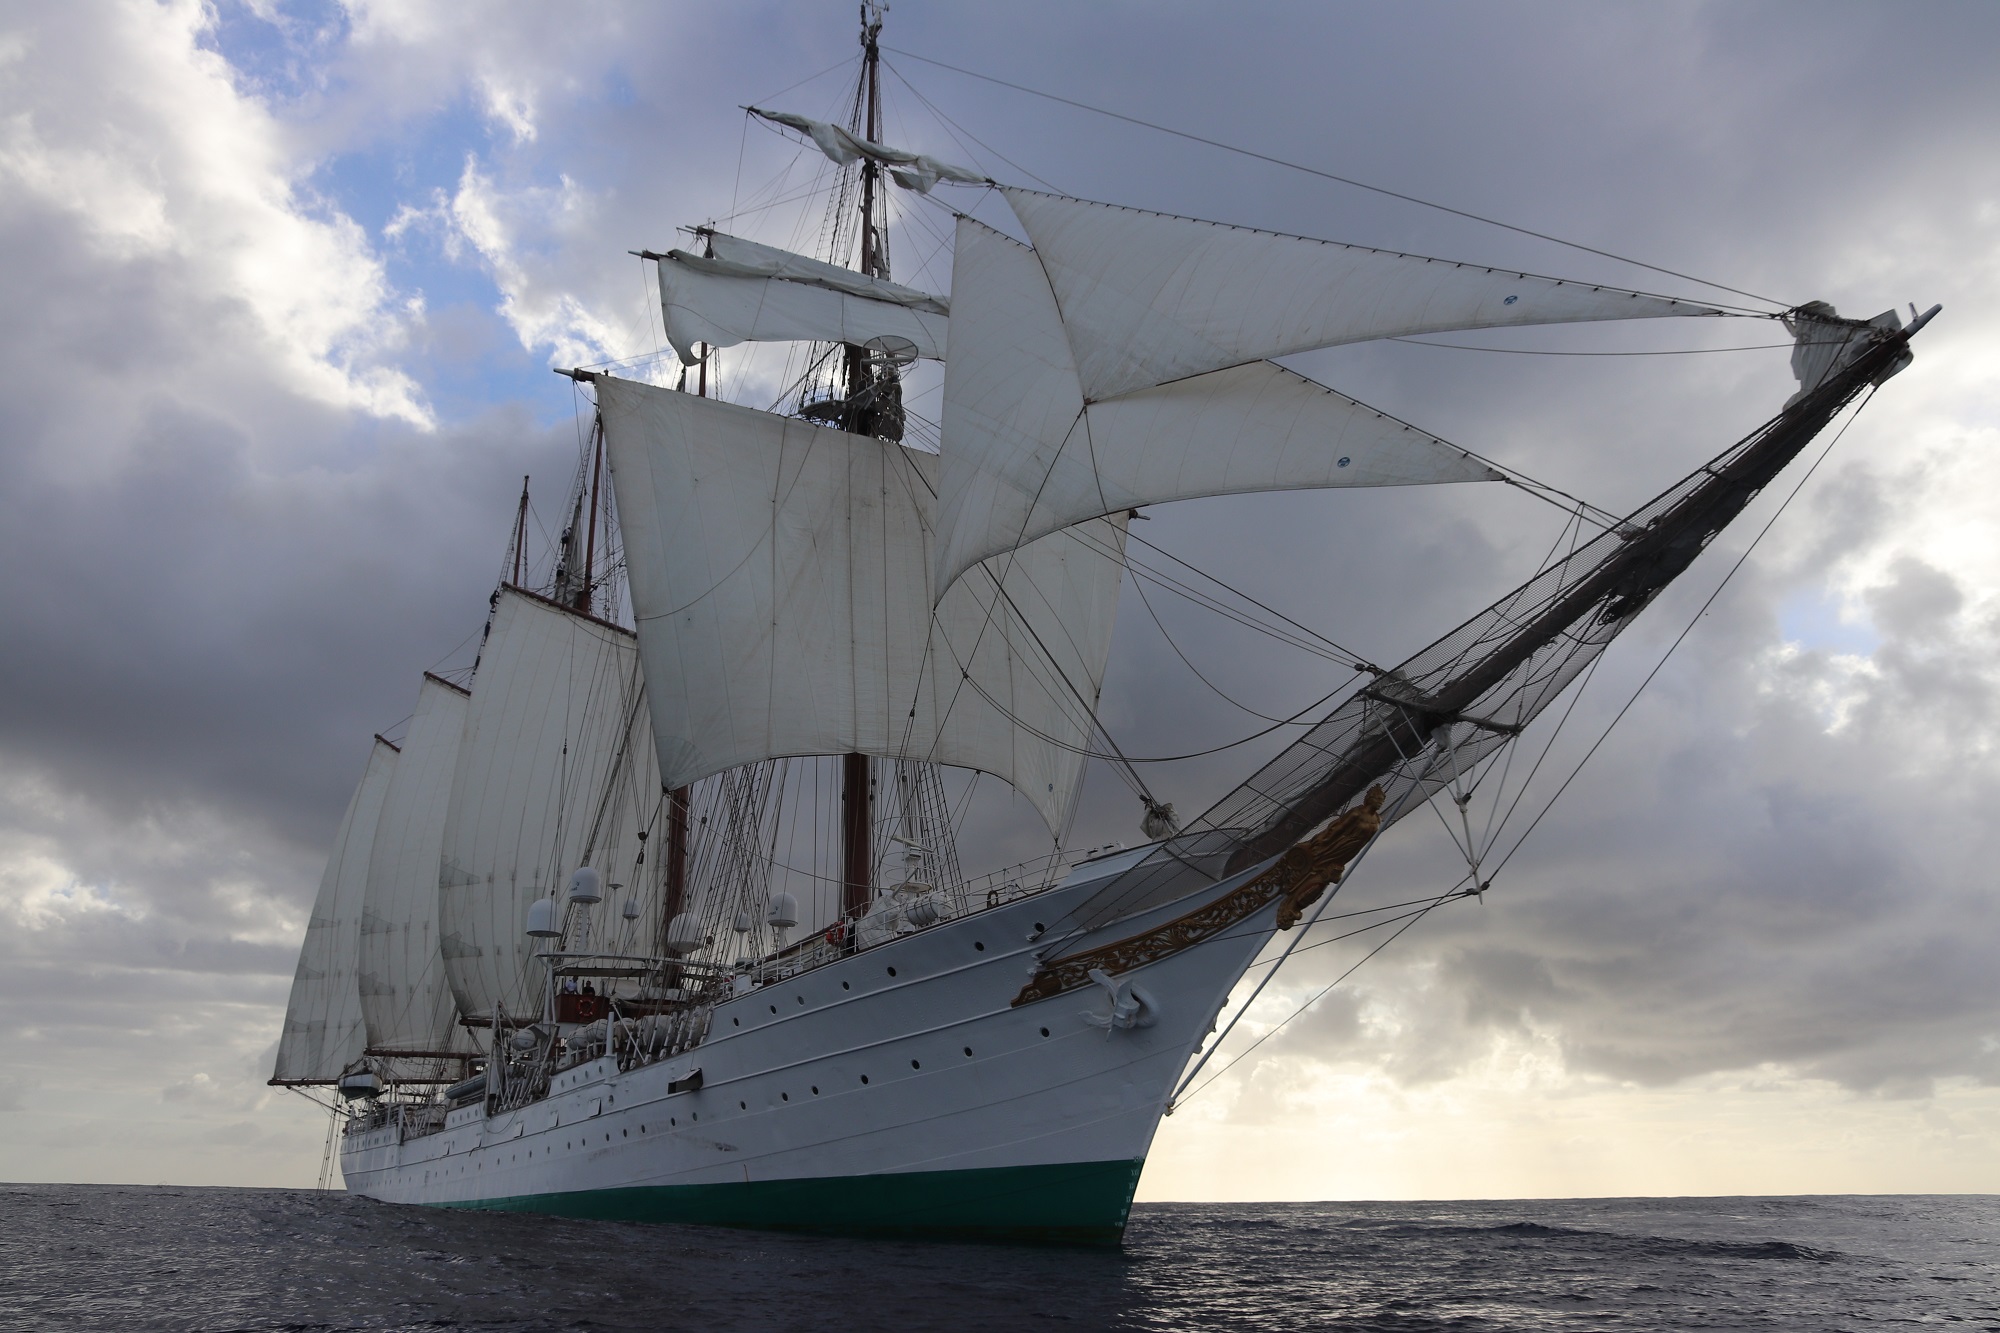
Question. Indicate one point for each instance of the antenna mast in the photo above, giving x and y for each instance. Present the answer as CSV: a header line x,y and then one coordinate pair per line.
x,y
582,602
520,532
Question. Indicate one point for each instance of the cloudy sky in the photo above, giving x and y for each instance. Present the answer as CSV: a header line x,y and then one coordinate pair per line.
x,y
283,283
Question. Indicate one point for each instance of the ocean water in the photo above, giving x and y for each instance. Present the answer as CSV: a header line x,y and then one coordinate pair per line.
x,y
109,1257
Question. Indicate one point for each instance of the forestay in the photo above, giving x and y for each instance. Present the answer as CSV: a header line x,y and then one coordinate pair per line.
x,y
781,579
1149,297
555,771
405,1003
323,1031
1026,454
747,292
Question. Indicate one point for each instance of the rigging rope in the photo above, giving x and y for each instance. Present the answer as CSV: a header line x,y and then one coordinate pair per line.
x,y
1139,586
1178,1101
1343,180
1689,629
1531,351
1455,892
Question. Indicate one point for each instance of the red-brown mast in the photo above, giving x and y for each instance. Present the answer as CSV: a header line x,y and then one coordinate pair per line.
x,y
677,854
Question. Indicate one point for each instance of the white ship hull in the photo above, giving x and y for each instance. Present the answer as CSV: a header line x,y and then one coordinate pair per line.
x,y
896,1091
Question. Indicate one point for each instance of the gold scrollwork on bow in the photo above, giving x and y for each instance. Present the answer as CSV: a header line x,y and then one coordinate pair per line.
x,y
1299,877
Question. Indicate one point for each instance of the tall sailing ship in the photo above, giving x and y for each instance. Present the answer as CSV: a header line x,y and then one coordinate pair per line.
x,y
658,914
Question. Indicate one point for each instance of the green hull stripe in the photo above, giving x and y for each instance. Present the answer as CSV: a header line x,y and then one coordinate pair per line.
x,y
1077,1203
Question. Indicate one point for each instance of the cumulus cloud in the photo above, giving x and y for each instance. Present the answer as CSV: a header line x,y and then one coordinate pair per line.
x,y
215,199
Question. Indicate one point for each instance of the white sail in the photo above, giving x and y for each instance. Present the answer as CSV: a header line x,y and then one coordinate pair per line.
x,y
755,293
1018,648
405,1003
912,171
752,259
1025,454
323,1030
780,576
554,772
1149,297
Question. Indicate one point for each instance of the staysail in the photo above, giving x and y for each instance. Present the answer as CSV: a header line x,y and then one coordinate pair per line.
x,y
747,292
781,580
323,1031
1026,451
1149,297
404,1000
555,771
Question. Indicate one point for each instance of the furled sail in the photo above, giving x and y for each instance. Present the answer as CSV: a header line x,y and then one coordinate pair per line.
x,y
781,579
1824,342
1026,453
404,1000
555,771
1149,297
737,257
747,292
323,1031
912,171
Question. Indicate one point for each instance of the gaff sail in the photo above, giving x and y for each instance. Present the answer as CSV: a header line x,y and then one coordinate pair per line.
x,y
323,1031
405,1002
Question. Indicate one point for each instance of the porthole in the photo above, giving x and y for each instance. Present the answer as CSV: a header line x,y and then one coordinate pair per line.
x,y
892,971
736,1022
915,1065
845,986
815,1090
864,1078
694,1115
672,1121
980,947
774,1008
800,998
743,1106
624,1133
1045,1032
968,1052
784,1096
1038,927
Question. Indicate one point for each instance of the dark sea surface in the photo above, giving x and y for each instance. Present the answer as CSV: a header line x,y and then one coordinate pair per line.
x,y
111,1257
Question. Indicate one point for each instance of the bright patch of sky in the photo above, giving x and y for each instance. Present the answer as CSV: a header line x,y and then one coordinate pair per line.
x,y
469,360
1818,621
